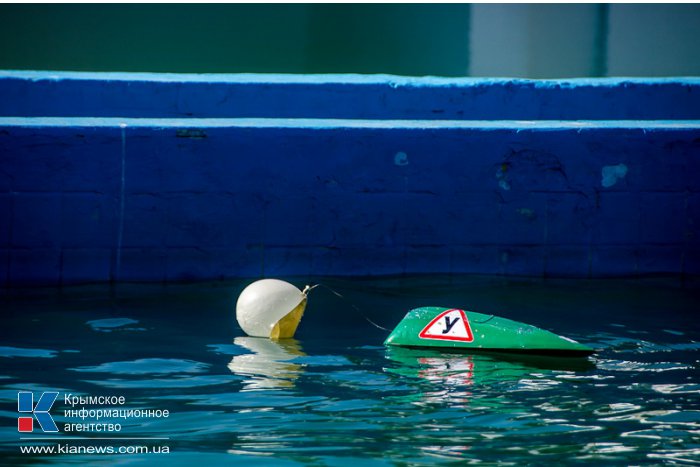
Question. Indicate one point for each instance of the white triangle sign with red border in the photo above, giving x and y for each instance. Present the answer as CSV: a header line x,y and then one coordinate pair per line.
x,y
450,325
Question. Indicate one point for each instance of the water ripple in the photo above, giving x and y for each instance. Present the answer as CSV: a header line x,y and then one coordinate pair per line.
x,y
180,381
111,324
146,366
690,388
656,367
12,352
321,400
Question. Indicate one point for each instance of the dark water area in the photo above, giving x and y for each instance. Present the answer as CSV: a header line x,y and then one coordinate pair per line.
x,y
334,395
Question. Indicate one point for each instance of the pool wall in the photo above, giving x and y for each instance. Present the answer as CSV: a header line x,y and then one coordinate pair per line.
x,y
108,177
144,95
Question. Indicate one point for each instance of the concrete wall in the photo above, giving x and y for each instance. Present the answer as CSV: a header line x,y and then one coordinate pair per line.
x,y
653,40
536,40
576,40
344,96
96,199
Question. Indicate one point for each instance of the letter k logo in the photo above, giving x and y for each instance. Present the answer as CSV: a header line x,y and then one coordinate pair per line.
x,y
25,403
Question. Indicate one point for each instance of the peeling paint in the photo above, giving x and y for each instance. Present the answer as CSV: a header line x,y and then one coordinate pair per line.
x,y
401,159
195,133
613,173
502,177
528,214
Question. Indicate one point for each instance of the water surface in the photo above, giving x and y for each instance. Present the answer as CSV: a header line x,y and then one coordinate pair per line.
x,y
335,396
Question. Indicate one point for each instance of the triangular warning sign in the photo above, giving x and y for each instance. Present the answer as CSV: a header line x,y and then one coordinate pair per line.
x,y
450,325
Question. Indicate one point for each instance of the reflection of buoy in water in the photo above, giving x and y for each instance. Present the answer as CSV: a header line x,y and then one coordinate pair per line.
x,y
270,365
270,308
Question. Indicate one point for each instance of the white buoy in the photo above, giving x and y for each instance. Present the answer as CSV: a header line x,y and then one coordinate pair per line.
x,y
270,308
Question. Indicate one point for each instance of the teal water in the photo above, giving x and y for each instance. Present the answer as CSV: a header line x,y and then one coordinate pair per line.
x,y
335,396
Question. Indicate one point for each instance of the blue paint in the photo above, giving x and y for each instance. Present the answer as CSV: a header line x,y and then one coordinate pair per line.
x,y
92,188
246,198
186,125
64,94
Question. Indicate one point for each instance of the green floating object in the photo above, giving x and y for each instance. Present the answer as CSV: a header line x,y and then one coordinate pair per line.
x,y
455,330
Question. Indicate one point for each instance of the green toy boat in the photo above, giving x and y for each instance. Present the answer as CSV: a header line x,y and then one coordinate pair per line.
x,y
455,330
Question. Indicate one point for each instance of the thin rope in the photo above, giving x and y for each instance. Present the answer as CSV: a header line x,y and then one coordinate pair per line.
x,y
484,321
309,288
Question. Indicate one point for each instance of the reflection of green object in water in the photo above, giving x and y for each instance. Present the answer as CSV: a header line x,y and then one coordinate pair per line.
x,y
454,330
451,370
483,367
457,379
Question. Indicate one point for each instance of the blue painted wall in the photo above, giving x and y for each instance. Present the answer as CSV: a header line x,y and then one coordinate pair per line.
x,y
85,199
344,96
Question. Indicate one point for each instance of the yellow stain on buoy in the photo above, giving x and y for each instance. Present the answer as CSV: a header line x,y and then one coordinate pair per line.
x,y
270,308
287,326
